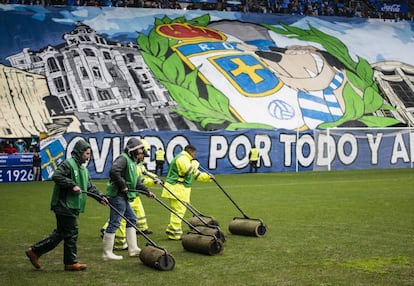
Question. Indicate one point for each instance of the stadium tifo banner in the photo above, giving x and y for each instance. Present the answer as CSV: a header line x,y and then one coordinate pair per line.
x,y
227,152
114,70
338,149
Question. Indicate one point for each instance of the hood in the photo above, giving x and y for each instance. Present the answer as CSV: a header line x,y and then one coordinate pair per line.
x,y
133,144
80,147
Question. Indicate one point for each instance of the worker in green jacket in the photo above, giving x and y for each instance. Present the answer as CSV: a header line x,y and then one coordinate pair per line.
x,y
72,184
124,182
182,170
148,179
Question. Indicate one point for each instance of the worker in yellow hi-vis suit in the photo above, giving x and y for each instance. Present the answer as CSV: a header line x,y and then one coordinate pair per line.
x,y
253,159
148,179
159,161
181,172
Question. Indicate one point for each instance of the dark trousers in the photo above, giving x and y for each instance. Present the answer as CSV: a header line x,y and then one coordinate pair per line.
x,y
253,165
159,165
37,173
66,230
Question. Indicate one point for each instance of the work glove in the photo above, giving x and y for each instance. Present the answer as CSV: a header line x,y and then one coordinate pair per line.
x,y
104,200
99,197
77,189
195,164
150,195
158,181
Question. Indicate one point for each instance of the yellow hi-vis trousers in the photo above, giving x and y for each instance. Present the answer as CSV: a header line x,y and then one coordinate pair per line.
x,y
140,212
174,229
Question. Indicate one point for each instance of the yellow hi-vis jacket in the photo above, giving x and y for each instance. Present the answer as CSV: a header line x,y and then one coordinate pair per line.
x,y
147,177
159,155
181,172
254,154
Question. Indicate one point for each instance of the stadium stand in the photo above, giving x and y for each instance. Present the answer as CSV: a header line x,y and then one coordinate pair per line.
x,y
384,9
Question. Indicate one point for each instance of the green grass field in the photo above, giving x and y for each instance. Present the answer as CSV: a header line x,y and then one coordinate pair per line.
x,y
324,228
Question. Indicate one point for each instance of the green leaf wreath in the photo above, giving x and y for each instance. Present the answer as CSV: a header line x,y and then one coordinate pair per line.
x,y
182,84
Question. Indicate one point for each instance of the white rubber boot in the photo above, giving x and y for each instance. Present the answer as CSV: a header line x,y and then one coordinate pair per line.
x,y
131,236
108,245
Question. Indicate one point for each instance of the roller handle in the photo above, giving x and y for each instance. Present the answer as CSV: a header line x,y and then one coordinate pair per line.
x,y
191,208
227,195
174,212
128,221
171,210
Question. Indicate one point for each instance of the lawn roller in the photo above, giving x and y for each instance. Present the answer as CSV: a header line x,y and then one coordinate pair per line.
x,y
151,255
243,225
198,218
196,240
208,226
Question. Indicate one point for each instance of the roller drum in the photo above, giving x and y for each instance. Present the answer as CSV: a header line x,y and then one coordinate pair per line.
x,y
247,227
157,258
211,231
203,220
201,244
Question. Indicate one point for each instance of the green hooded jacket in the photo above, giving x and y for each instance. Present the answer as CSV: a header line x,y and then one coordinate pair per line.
x,y
129,176
70,173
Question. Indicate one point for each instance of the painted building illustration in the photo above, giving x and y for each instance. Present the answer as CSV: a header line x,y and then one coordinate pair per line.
x,y
106,85
23,112
396,80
